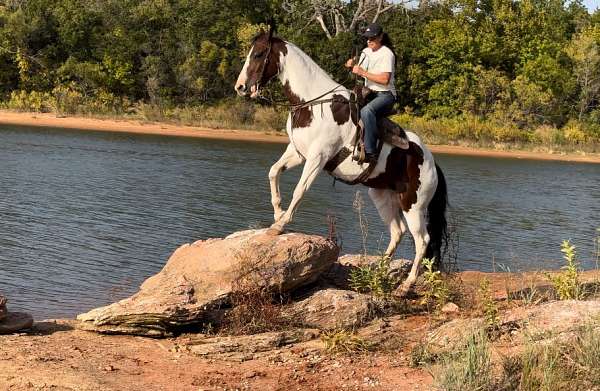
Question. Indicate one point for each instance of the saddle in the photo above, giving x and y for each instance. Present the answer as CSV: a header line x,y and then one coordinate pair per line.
x,y
388,131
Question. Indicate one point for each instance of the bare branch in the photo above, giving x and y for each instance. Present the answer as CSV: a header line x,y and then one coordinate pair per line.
x,y
319,18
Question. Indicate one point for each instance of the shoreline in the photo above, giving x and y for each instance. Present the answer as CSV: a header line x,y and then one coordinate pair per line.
x,y
46,120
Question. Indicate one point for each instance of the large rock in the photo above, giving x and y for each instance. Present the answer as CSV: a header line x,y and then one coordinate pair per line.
x,y
331,309
339,273
15,321
3,310
200,277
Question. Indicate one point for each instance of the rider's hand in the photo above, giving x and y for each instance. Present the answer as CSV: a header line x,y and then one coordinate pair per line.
x,y
357,70
350,63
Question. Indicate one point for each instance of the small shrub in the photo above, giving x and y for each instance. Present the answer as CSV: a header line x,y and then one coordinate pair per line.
x,y
574,133
150,112
488,305
30,101
508,133
548,135
566,284
436,290
344,341
375,279
422,355
68,100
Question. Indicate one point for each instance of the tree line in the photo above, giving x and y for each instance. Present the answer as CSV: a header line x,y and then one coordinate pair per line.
x,y
528,62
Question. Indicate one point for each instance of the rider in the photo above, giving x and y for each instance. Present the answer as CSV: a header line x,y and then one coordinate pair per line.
x,y
376,65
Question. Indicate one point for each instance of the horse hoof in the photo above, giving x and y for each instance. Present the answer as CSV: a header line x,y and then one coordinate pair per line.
x,y
401,292
274,231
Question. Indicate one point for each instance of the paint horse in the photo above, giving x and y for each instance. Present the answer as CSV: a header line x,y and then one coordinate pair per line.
x,y
406,186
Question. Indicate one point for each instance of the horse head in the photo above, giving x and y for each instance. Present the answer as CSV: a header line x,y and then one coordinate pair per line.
x,y
262,64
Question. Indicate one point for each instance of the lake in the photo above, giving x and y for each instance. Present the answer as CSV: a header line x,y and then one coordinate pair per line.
x,y
87,216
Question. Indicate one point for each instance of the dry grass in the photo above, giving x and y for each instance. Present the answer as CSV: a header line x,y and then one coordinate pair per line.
x,y
472,131
256,301
344,341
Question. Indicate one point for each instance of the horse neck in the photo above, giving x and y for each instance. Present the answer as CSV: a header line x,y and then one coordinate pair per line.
x,y
302,78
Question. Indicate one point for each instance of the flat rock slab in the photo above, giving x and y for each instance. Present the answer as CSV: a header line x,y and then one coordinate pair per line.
x,y
199,279
331,308
15,321
248,347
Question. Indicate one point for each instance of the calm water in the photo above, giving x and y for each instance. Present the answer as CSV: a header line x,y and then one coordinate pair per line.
x,y
86,217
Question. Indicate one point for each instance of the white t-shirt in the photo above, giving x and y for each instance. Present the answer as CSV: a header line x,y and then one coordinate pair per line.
x,y
382,60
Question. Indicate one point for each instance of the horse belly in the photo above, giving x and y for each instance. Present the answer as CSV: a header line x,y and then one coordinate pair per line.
x,y
348,170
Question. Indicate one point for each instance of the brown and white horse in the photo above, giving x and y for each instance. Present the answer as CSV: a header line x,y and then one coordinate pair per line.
x,y
407,187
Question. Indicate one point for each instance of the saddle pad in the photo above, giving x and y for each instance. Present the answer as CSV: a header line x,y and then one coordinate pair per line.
x,y
392,133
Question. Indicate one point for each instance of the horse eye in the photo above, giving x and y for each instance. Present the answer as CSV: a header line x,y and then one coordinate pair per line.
x,y
258,55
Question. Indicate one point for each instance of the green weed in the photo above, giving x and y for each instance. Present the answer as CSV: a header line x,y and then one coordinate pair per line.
x,y
375,279
489,308
436,291
566,284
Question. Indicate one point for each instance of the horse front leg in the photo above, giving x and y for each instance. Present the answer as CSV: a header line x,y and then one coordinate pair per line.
x,y
289,159
312,168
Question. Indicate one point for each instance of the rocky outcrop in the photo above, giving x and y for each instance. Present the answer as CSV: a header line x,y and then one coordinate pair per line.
x,y
200,277
339,273
331,309
557,319
11,322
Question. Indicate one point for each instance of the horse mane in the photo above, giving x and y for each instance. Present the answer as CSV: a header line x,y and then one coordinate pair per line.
x,y
310,63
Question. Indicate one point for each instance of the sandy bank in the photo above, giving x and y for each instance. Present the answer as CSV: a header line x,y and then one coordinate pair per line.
x,y
154,128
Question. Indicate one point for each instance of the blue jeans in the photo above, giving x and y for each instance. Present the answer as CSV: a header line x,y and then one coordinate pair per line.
x,y
381,104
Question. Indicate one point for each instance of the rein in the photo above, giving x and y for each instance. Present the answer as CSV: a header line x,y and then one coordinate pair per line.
x,y
308,103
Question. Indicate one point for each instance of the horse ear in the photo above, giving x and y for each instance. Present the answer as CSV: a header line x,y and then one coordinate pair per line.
x,y
272,28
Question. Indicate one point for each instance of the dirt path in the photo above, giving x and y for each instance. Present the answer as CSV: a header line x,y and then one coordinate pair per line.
x,y
54,356
139,127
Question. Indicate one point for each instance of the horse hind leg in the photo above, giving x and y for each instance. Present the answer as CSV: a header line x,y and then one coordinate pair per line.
x,y
417,224
387,205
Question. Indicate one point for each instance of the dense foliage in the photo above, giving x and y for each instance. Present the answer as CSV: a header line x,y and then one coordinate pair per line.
x,y
527,63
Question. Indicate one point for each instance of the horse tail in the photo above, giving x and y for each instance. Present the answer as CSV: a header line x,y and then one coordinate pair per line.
x,y
437,226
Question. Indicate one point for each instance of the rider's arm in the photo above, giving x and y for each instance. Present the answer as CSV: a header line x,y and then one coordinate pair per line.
x,y
381,78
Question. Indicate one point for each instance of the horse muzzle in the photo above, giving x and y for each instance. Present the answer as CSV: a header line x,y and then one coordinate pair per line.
x,y
241,89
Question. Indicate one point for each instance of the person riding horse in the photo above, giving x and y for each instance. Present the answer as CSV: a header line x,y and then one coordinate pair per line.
x,y
376,65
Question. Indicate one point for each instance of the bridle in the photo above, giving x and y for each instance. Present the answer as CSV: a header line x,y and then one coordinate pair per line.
x,y
265,62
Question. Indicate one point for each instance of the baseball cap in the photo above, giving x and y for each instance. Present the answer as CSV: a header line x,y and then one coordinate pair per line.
x,y
372,30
